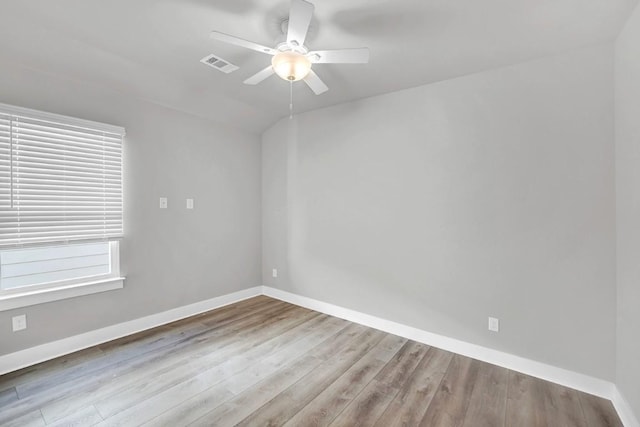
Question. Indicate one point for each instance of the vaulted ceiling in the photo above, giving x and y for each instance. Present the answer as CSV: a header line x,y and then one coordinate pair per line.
x,y
152,48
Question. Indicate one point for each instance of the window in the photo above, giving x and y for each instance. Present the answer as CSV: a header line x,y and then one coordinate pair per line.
x,y
61,206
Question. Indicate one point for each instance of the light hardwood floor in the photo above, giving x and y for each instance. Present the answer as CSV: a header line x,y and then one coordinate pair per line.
x,y
265,362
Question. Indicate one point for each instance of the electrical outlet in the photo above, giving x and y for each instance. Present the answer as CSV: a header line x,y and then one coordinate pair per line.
x,y
274,272
189,203
19,322
163,203
494,324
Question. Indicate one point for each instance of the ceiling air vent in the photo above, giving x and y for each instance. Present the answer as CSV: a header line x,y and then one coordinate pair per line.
x,y
218,63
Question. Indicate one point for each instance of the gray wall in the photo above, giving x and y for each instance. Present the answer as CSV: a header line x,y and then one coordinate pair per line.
x,y
486,195
627,106
171,257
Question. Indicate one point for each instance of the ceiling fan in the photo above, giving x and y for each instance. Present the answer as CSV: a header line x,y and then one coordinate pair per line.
x,y
291,59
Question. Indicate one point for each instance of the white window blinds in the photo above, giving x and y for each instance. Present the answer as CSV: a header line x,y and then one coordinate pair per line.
x,y
60,178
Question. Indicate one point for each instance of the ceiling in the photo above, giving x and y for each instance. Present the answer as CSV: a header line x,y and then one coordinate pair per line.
x,y
152,48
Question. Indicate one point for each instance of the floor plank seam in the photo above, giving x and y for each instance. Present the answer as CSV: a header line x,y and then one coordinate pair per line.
x,y
506,405
364,387
473,389
437,389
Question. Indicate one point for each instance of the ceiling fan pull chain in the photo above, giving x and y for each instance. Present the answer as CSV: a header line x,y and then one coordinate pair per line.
x,y
290,99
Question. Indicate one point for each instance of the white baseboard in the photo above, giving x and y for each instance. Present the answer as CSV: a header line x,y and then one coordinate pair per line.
x,y
624,410
554,374
30,356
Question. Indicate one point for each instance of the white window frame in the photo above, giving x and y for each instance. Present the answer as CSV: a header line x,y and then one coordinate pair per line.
x,y
54,291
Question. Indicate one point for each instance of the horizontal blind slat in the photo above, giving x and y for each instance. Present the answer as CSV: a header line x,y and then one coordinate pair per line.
x,y
53,127
36,151
58,146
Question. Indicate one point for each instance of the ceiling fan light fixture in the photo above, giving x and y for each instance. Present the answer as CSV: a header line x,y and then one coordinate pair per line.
x,y
291,66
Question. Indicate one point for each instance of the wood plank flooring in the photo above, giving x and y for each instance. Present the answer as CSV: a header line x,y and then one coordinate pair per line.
x,y
263,362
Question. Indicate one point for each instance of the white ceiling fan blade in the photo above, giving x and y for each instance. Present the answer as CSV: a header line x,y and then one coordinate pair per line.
x,y
241,42
340,56
259,76
313,81
299,19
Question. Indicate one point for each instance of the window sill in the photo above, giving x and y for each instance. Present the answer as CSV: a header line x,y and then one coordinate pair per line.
x,y
24,299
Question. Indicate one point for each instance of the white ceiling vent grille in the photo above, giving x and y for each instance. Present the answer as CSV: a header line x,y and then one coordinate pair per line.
x,y
218,63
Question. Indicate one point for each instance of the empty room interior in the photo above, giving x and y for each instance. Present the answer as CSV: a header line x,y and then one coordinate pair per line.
x,y
305,213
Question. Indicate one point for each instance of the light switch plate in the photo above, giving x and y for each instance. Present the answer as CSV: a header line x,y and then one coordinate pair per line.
x,y
189,203
163,203
19,322
494,324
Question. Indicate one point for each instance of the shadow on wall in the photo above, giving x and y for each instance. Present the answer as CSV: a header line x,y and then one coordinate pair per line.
x,y
320,216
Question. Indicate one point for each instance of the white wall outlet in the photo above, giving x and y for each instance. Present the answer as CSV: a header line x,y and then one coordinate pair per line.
x,y
189,203
163,203
19,322
494,324
274,272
